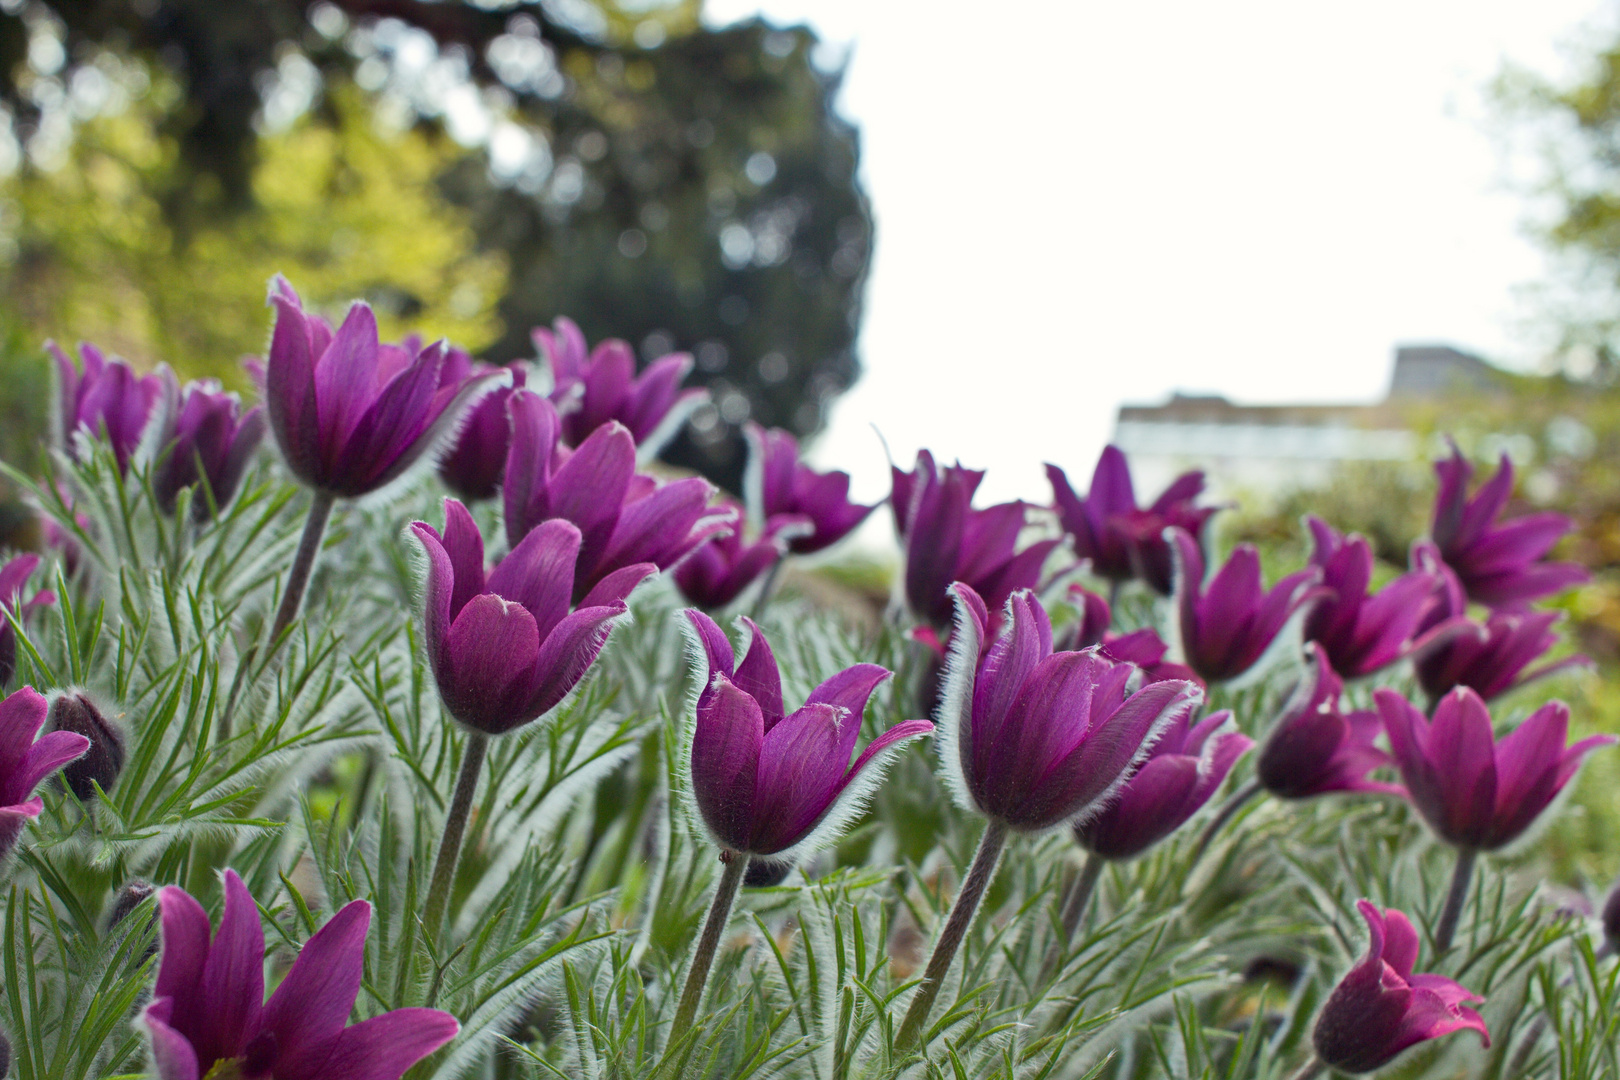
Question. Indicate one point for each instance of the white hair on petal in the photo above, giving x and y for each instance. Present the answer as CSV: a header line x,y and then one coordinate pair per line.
x,y
952,737
1191,696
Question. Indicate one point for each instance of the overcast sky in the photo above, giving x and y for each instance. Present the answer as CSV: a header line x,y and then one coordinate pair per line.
x,y
1084,203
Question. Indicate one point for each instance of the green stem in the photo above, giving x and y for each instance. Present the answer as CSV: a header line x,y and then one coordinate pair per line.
x,y
1075,902
698,977
1461,878
1233,804
762,601
950,938
455,826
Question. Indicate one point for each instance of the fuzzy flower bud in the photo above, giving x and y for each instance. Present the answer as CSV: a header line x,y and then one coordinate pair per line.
x,y
102,763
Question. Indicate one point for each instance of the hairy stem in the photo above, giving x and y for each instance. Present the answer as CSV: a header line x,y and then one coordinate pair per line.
x,y
1233,804
1115,585
698,977
1461,878
762,601
1075,902
455,826
950,938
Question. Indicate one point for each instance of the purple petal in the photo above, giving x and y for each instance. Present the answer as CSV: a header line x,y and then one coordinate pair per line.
x,y
381,1048
570,650
618,586
346,382
437,593
798,773
22,713
758,677
313,1002
1461,749
726,748
589,488
493,648
51,752
539,573
186,931
232,981
464,546
527,483
173,1057
716,648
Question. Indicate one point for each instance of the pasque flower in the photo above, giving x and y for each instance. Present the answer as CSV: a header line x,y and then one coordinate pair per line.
x,y
1227,624
13,582
104,398
1380,1008
207,437
349,413
947,540
1475,792
1500,564
717,572
504,647
473,467
209,1017
1121,540
1361,632
765,780
1315,747
789,487
74,711
25,761
1186,765
592,387
623,518
1142,647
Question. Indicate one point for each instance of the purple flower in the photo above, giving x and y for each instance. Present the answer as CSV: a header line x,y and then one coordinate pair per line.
x,y
1033,738
473,467
209,431
349,413
1609,916
1124,541
717,573
946,540
624,518
209,1018
1315,748
106,399
1186,765
788,487
767,781
1475,792
1142,647
13,577
589,390
1500,564
1359,632
1227,625
1380,1008
505,648
24,762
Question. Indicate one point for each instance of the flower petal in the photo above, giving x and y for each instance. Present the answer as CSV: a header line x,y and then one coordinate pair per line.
x,y
493,649
173,1057
232,984
725,760
381,1048
758,677
314,1001
798,773
539,573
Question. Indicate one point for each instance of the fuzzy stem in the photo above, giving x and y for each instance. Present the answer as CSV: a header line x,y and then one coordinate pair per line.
x,y
1079,898
1233,804
764,598
950,939
455,826
1313,1068
698,977
1115,586
1461,878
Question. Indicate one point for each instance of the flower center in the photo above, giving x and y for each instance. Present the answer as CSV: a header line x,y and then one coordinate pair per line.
x,y
255,1063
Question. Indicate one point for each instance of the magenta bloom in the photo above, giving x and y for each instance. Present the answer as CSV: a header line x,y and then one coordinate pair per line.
x,y
1380,1008
13,580
946,540
1315,748
1035,738
1475,792
1500,564
473,467
349,413
766,782
505,648
1124,541
1362,633
717,573
788,487
106,399
1187,764
1142,647
623,518
208,430
24,762
1227,625
591,389
209,1018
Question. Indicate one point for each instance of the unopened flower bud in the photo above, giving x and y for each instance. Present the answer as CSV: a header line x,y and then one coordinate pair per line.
x,y
128,899
1611,918
102,763
765,874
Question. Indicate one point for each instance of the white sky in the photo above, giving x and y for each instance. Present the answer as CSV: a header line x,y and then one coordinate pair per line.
x,y
1085,203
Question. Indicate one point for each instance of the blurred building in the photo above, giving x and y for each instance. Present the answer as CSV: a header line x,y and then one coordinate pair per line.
x,y
1248,449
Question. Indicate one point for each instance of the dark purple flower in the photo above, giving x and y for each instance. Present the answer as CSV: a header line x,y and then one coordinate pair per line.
x,y
1033,738
472,469
1362,632
717,573
1186,765
1475,792
1500,564
1380,1008
1121,540
1142,647
765,780
1610,917
101,764
591,389
209,430
208,1016
1227,625
946,540
350,414
1315,748
106,399
505,648
789,487
13,579
24,762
